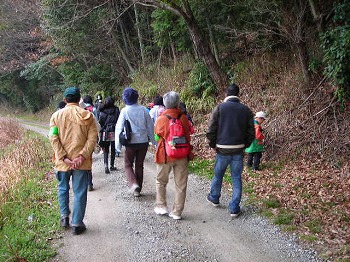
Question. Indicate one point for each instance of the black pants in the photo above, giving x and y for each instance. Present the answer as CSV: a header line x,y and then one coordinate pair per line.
x,y
105,148
254,160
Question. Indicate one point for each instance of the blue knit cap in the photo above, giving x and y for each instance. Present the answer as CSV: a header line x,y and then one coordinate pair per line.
x,y
130,96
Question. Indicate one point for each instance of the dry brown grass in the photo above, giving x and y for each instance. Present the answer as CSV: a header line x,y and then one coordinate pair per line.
x,y
14,163
10,132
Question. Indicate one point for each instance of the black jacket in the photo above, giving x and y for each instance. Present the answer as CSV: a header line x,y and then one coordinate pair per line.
x,y
108,118
230,127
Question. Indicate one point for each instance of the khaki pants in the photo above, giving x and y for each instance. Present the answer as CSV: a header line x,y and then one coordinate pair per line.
x,y
180,171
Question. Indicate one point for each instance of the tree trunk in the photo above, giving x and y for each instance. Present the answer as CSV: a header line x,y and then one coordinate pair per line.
x,y
202,48
303,58
301,41
173,52
201,45
120,51
212,41
318,18
139,35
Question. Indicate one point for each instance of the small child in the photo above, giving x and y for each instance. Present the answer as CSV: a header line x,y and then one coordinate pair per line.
x,y
257,147
157,109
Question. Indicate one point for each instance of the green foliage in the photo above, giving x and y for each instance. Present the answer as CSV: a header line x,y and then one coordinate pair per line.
x,y
271,202
200,83
169,29
283,218
41,69
314,226
9,90
204,168
28,219
309,238
336,47
99,77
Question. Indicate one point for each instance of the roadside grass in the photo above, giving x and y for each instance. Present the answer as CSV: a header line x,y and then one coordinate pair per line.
x,y
28,204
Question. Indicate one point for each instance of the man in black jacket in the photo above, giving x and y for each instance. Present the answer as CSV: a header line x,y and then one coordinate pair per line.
x,y
230,131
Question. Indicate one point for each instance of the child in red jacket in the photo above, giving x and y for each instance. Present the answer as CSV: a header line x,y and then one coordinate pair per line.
x,y
257,147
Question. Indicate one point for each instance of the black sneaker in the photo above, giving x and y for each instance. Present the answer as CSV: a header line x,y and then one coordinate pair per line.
x,y
113,168
214,203
107,170
78,230
91,188
64,222
137,192
235,214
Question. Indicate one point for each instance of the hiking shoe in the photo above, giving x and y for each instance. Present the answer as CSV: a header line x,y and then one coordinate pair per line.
x,y
235,214
64,222
91,188
214,203
176,217
135,189
113,168
161,211
78,230
107,170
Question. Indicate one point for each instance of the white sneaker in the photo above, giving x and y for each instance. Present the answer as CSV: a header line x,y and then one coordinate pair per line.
x,y
160,211
133,188
174,216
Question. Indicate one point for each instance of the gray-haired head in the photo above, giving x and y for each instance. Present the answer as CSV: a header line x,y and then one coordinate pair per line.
x,y
171,100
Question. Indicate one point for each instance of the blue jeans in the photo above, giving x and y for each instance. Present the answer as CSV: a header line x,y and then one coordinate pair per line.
x,y
80,184
236,166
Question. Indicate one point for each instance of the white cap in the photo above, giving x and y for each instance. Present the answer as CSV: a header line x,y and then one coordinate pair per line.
x,y
260,114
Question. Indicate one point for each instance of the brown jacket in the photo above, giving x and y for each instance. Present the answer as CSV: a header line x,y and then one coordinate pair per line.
x,y
77,135
161,129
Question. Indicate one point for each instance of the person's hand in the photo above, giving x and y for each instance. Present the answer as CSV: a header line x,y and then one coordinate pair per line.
x,y
68,162
78,161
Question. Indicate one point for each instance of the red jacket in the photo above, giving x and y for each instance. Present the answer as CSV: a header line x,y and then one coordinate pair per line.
x,y
161,129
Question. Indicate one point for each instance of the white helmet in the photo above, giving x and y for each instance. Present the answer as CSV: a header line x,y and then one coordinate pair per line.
x,y
260,114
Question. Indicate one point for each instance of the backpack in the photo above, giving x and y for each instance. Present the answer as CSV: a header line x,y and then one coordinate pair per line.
x,y
125,134
90,108
176,144
107,130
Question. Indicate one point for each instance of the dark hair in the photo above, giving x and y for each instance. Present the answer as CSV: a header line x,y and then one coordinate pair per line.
x,y
182,107
232,90
61,104
108,103
87,99
72,99
158,100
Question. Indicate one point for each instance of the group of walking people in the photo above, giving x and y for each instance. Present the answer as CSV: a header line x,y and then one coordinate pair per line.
x,y
74,134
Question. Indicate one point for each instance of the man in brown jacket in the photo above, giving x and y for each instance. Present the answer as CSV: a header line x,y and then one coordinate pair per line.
x,y
73,135
165,163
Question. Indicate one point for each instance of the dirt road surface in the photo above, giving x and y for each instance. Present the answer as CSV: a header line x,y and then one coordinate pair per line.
x,y
121,227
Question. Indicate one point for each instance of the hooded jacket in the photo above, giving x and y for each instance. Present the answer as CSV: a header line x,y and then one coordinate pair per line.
x,y
108,117
258,143
75,134
141,124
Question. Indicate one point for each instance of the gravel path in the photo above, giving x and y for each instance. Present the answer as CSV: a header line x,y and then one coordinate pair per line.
x,y
121,227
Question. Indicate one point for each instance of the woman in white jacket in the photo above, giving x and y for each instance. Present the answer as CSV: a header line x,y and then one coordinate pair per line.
x,y
142,133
